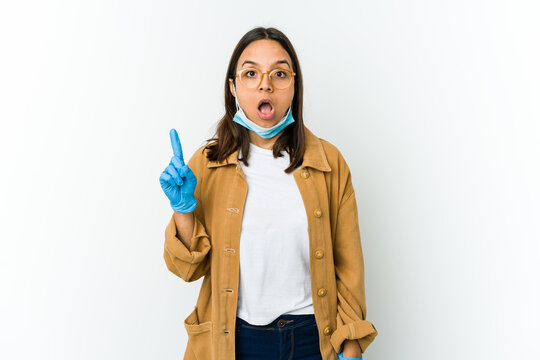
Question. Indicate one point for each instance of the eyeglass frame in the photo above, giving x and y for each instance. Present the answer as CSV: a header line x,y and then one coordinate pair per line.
x,y
292,73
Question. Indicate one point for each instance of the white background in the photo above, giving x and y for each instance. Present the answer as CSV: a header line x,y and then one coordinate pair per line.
x,y
434,104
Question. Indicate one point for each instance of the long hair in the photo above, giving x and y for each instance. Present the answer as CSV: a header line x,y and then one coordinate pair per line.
x,y
230,136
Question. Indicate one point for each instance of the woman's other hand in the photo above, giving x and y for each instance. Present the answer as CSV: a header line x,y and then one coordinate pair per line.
x,y
351,350
340,357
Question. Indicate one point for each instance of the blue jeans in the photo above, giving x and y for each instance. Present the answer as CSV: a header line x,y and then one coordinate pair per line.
x,y
289,337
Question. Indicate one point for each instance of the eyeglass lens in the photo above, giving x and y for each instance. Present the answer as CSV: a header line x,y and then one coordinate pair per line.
x,y
252,77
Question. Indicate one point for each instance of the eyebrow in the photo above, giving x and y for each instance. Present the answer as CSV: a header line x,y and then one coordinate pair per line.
x,y
277,62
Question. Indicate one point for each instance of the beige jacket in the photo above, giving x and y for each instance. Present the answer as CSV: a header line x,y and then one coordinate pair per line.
x,y
336,259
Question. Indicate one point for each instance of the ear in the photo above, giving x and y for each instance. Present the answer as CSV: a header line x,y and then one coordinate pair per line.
x,y
231,88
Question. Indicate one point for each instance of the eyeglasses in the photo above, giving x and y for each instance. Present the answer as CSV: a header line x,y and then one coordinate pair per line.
x,y
279,78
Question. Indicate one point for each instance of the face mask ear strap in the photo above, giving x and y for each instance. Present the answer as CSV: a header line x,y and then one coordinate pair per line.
x,y
235,99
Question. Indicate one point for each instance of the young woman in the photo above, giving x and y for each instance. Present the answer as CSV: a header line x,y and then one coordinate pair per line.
x,y
276,238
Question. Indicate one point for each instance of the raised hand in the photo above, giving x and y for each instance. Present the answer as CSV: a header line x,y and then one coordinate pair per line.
x,y
177,180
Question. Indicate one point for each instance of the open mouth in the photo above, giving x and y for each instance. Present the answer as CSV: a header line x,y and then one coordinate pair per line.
x,y
265,110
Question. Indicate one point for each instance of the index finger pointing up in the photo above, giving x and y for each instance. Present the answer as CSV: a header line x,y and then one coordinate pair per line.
x,y
177,148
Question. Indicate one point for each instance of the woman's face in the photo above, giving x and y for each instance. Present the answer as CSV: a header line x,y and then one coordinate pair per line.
x,y
263,54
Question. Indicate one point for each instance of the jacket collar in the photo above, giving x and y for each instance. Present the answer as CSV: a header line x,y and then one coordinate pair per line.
x,y
314,155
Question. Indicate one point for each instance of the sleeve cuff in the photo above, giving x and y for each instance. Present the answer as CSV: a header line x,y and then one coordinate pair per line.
x,y
361,330
200,244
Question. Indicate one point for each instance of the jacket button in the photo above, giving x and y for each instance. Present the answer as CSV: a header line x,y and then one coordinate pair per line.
x,y
319,254
318,213
321,292
327,330
305,174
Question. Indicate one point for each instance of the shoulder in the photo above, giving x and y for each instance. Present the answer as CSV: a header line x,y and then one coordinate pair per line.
x,y
340,177
198,161
200,154
329,148
335,158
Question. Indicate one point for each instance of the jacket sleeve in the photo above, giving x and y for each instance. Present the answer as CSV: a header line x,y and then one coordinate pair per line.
x,y
349,269
194,262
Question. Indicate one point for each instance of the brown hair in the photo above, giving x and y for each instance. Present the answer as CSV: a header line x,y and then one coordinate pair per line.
x,y
230,135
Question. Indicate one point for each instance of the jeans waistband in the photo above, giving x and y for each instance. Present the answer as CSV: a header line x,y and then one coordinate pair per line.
x,y
283,322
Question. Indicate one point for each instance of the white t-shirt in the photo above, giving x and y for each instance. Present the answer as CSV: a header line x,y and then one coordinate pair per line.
x,y
274,242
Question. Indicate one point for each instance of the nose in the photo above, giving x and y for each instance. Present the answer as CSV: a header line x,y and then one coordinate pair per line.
x,y
265,82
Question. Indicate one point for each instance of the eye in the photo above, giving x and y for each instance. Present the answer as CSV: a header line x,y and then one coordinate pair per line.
x,y
250,73
281,74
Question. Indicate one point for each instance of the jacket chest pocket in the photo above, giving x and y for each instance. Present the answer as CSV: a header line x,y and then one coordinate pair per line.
x,y
199,346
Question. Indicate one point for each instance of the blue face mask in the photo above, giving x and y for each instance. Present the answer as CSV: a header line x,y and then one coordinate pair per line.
x,y
266,133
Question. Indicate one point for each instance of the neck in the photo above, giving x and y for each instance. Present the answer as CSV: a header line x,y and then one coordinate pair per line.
x,y
262,142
